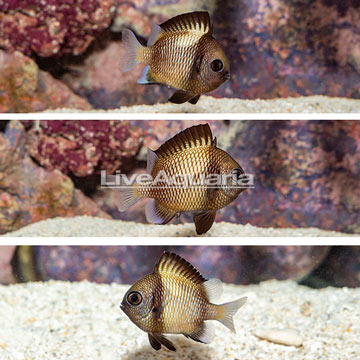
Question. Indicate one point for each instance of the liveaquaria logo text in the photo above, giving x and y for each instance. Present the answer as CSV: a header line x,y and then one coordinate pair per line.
x,y
235,179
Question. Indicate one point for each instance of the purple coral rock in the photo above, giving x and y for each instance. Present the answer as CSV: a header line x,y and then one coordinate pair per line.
x,y
83,148
50,27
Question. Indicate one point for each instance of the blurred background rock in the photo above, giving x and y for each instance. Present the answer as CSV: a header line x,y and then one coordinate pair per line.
x,y
57,54
314,266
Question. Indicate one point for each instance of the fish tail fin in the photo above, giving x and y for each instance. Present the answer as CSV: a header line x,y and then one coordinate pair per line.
x,y
127,195
227,312
133,51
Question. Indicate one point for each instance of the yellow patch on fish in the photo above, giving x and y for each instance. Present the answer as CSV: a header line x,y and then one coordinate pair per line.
x,y
177,299
191,155
180,53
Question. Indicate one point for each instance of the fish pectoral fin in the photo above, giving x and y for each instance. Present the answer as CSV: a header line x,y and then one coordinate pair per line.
x,y
157,213
156,340
181,96
211,192
146,77
203,221
153,342
194,100
203,334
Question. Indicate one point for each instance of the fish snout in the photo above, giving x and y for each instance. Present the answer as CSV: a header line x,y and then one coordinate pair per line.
x,y
122,306
226,76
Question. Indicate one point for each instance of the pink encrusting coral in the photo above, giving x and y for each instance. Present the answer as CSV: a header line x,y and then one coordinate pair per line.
x,y
51,27
83,148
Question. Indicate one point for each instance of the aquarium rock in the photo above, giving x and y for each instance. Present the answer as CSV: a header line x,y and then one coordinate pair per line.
x,y
83,321
28,192
26,88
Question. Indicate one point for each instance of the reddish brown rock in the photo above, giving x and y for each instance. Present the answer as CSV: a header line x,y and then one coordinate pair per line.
x,y
25,88
29,193
47,28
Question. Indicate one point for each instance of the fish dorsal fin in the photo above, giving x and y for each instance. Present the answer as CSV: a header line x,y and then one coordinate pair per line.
x,y
198,21
172,263
193,137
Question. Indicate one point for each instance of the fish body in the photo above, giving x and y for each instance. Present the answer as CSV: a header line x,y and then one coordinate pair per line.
x,y
177,299
180,53
191,154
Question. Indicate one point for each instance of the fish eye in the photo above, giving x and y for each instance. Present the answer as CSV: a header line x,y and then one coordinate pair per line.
x,y
134,298
217,65
238,172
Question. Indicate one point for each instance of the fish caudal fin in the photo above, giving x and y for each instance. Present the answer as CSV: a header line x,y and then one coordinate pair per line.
x,y
204,333
127,195
156,340
133,51
227,312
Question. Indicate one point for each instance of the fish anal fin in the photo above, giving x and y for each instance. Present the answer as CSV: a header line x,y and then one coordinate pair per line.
x,y
154,34
192,137
198,21
194,100
175,264
158,340
203,221
157,213
203,334
146,77
181,96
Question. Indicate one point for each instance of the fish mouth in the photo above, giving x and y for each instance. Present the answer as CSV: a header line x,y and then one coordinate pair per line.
x,y
226,76
122,307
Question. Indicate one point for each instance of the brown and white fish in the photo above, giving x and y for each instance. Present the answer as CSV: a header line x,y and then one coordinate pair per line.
x,y
190,154
180,53
176,299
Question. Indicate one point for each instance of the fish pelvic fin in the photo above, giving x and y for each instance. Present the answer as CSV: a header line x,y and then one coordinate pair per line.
x,y
157,213
227,311
146,77
203,221
127,195
181,96
133,51
156,340
204,333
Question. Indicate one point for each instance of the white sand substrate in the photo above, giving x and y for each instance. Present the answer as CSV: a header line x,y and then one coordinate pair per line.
x,y
83,321
81,226
209,104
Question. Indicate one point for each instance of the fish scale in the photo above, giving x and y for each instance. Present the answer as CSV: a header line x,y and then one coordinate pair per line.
x,y
196,161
